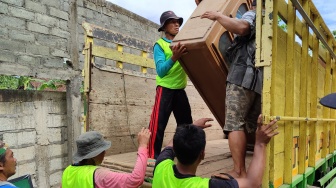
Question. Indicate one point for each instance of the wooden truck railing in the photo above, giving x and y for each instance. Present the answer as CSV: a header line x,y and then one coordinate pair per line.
x,y
298,69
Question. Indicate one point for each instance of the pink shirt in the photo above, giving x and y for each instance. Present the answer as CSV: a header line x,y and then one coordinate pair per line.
x,y
106,178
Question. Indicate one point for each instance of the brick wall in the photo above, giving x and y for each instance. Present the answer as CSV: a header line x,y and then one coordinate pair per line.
x,y
34,125
36,38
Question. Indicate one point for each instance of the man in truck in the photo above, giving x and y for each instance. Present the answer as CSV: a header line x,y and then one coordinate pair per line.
x,y
188,145
244,85
171,81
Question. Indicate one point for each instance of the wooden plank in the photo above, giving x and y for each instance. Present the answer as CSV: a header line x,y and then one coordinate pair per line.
x,y
289,103
108,53
326,111
303,99
264,54
333,112
313,101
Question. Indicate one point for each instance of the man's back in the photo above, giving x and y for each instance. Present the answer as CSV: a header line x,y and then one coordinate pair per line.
x,y
166,175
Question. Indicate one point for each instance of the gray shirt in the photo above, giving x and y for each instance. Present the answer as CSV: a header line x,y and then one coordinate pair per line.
x,y
243,72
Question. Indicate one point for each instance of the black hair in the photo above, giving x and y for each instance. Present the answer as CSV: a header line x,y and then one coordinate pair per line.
x,y
3,158
188,143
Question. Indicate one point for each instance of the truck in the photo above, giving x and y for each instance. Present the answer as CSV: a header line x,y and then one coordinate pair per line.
x,y
298,60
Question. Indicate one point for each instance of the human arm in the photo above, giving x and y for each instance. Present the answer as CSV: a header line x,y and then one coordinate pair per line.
x,y
237,26
107,178
255,172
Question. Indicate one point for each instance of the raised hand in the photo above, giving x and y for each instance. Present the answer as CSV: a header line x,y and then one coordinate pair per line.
x,y
202,123
264,133
143,137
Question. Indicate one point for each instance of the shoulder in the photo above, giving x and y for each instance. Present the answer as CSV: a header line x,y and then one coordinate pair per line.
x,y
249,16
217,183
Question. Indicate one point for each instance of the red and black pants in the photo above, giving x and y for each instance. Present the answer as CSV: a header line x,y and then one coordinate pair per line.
x,y
167,101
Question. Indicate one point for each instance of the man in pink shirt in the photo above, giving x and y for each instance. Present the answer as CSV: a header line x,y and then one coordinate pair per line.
x,y
86,173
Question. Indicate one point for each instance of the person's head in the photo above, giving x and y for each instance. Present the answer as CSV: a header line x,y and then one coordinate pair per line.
x,y
90,148
170,23
189,144
7,161
198,2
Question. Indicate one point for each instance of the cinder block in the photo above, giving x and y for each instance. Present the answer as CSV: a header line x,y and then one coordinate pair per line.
x,y
14,2
36,7
25,168
37,28
55,4
80,3
123,18
24,154
46,20
63,25
6,44
60,53
54,63
55,135
11,139
24,59
65,6
37,49
22,35
26,138
55,150
58,164
3,8
90,5
3,32
21,13
56,120
27,122
59,13
7,124
7,56
13,69
57,107
12,22
56,178
60,33
52,41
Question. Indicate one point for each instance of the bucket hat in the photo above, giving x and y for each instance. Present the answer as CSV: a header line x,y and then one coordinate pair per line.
x,y
166,16
89,145
329,101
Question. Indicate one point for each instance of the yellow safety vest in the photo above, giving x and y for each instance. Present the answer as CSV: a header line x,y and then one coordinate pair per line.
x,y
78,176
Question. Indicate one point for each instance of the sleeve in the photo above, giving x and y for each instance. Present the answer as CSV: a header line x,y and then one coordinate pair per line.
x,y
166,153
106,178
249,16
219,183
162,66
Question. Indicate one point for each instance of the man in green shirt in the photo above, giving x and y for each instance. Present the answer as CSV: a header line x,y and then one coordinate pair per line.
x,y
188,147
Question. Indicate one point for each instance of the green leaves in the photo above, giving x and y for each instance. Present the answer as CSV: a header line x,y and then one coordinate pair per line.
x,y
28,83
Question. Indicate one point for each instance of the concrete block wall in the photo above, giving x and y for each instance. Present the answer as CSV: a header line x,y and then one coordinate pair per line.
x,y
34,38
34,125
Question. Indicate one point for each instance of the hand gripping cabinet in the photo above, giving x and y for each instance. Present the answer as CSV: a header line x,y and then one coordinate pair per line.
x,y
206,42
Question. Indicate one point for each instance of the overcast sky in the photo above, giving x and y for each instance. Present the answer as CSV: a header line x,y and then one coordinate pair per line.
x,y
152,9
